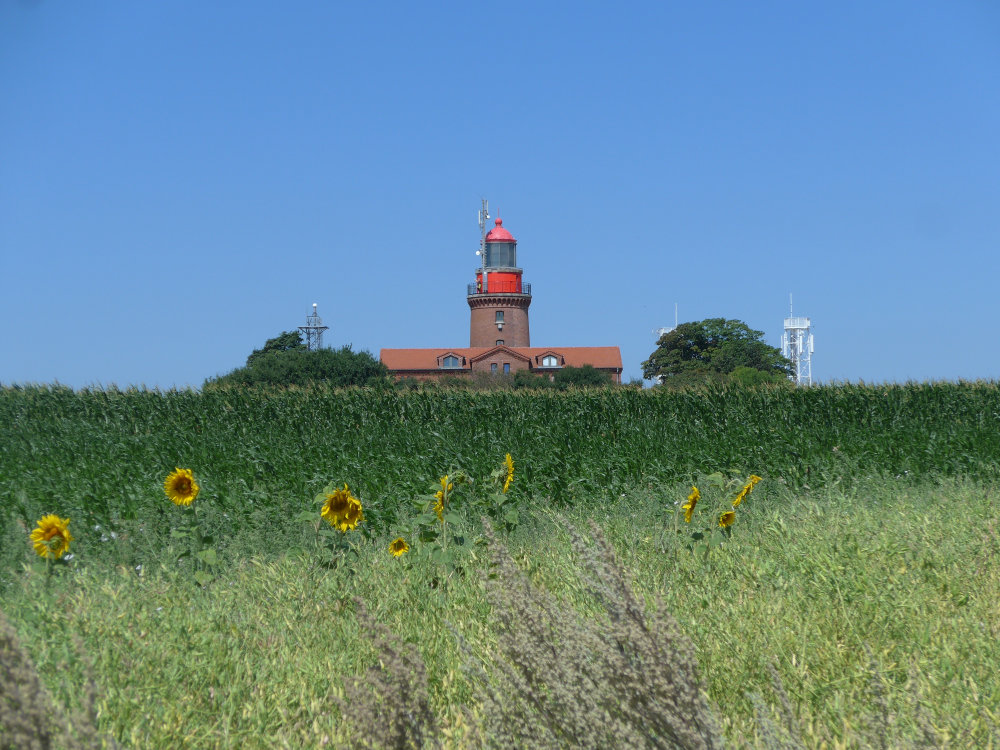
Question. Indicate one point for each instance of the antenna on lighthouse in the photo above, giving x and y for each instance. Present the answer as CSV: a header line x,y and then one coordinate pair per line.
x,y
313,329
797,345
484,216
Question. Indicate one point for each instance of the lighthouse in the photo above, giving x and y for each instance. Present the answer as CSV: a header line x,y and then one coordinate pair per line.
x,y
499,341
499,299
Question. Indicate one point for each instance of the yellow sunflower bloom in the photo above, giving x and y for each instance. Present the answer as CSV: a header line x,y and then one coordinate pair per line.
x,y
336,506
441,496
352,516
747,489
727,519
688,507
508,476
742,494
52,537
398,547
181,487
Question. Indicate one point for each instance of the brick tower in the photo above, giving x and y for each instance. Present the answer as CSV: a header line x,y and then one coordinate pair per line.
x,y
498,301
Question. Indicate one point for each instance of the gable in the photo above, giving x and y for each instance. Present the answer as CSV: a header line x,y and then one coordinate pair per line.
x,y
495,351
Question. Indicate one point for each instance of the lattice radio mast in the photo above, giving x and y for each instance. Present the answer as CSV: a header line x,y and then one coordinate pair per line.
x,y
484,216
313,329
797,345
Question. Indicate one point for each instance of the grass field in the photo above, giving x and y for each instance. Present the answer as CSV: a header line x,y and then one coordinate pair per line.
x,y
863,567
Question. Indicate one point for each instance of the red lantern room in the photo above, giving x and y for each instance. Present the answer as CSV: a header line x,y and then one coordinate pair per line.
x,y
499,300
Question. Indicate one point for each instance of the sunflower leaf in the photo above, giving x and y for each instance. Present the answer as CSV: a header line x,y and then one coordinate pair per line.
x,y
208,556
202,577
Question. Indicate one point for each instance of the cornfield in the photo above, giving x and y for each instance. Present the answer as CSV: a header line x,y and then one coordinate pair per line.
x,y
100,455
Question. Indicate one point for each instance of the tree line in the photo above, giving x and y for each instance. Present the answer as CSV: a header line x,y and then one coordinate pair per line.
x,y
715,350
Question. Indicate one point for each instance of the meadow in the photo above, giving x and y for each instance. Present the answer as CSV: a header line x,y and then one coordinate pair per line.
x,y
852,602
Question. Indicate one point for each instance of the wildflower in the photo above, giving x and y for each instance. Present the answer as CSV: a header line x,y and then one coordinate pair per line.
x,y
398,547
52,537
727,519
181,487
508,473
342,509
688,507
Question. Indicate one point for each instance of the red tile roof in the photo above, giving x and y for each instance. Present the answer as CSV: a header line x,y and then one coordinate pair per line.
x,y
601,357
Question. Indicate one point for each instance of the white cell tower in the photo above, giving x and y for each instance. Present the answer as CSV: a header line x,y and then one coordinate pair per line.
x,y
797,345
313,329
658,332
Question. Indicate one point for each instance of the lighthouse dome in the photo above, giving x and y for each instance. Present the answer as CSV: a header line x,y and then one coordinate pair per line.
x,y
499,234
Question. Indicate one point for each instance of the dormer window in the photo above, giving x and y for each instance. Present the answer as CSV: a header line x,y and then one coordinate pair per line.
x,y
451,361
550,361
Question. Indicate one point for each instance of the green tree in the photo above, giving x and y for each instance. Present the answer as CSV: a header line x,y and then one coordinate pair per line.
x,y
284,360
712,348
286,341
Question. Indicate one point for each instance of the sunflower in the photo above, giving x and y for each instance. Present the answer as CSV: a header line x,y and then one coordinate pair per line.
x,y
747,489
727,519
352,516
688,507
336,505
740,497
181,487
398,547
508,475
441,495
52,537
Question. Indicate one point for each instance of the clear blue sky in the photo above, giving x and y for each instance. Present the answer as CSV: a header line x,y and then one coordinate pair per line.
x,y
180,181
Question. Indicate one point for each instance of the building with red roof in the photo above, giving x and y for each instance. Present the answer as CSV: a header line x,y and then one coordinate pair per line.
x,y
499,335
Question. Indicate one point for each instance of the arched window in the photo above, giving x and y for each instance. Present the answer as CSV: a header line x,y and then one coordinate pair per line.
x,y
550,361
451,361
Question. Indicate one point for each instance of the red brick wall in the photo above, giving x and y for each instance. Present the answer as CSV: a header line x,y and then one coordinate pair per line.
x,y
482,321
499,359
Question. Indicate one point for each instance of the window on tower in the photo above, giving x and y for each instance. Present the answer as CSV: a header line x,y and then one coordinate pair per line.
x,y
499,342
499,316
